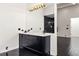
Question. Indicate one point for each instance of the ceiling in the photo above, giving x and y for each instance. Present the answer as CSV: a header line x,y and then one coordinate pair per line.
x,y
62,5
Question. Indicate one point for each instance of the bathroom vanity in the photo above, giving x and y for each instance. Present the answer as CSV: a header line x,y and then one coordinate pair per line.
x,y
38,43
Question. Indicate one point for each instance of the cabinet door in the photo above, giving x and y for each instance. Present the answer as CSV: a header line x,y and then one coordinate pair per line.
x,y
29,41
47,45
36,43
21,37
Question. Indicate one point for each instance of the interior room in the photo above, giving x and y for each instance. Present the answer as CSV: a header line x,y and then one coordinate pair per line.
x,y
28,29
67,29
39,29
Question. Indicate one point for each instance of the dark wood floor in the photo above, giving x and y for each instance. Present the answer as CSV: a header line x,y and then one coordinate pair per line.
x,y
22,52
15,52
63,45
68,46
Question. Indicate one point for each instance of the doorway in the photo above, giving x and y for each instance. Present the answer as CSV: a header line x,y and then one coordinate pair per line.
x,y
74,48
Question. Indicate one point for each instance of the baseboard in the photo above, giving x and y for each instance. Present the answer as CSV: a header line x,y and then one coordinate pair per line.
x,y
64,36
9,49
37,52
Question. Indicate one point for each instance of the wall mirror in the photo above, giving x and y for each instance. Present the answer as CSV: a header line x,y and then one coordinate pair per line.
x,y
49,23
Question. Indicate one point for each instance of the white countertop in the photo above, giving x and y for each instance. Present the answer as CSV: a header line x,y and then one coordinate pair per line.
x,y
36,34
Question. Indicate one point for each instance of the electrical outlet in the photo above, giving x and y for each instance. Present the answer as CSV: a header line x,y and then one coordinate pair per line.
x,y
6,47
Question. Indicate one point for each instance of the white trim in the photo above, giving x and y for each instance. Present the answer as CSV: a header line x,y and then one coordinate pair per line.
x,y
63,36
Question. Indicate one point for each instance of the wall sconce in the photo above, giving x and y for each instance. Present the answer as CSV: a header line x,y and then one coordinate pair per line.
x,y
37,6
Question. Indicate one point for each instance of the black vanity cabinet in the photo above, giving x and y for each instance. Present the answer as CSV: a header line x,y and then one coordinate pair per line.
x,y
38,44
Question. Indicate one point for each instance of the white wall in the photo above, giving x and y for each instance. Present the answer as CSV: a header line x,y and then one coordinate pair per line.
x,y
63,19
12,16
34,20
49,9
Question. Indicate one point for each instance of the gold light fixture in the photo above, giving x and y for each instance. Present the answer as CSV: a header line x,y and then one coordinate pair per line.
x,y
37,6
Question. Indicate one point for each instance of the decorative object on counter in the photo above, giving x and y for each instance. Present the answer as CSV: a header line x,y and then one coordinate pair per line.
x,y
31,29
28,30
22,30
37,6
25,31
19,29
